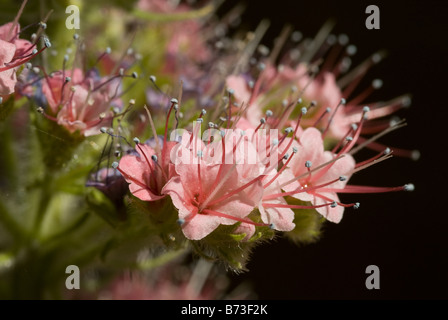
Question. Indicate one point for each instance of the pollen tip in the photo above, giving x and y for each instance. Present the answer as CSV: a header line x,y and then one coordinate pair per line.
x,y
1,100
304,110
356,206
275,142
68,79
136,140
108,50
308,164
132,101
342,178
47,42
365,109
262,120
211,125
343,101
409,187
387,151
134,75
272,226
154,158
76,36
328,110
43,25
415,155
269,113
115,164
174,101
333,204
299,101
152,78
200,120
286,156
180,221
103,129
294,149
377,83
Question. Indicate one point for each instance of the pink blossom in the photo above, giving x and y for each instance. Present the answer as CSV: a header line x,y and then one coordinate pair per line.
x,y
13,53
80,103
208,194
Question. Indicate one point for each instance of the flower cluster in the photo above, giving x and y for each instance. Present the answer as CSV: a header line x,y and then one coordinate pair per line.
x,y
223,143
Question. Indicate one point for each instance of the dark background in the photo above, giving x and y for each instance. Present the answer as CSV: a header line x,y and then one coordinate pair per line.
x,y
403,233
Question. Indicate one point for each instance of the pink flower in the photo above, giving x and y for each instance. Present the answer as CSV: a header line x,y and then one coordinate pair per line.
x,y
13,53
208,194
308,186
148,172
81,103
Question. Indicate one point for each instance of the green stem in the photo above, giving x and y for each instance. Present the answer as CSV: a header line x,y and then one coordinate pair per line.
x,y
42,208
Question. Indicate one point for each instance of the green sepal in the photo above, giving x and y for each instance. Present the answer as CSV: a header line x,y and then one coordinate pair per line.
x,y
308,223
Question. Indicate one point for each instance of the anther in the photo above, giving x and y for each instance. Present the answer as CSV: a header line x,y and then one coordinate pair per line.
x,y
103,129
295,150
154,158
333,204
343,101
286,156
132,102
377,83
174,101
115,164
43,25
152,78
108,50
136,140
342,178
304,110
387,151
134,75
409,187
180,221
269,113
356,206
288,130
308,164
262,120
76,36
47,42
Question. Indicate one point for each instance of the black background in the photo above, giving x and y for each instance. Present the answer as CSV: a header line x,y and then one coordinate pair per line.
x,y
403,233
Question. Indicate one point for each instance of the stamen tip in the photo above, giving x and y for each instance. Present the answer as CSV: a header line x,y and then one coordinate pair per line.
x,y
136,140
115,164
174,101
180,221
409,187
154,158
415,155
